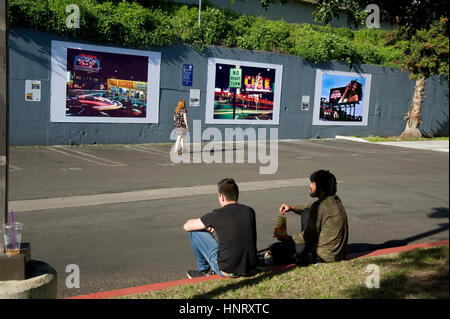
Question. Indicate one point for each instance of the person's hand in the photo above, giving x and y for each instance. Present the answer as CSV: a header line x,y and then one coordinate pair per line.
x,y
282,237
210,230
284,208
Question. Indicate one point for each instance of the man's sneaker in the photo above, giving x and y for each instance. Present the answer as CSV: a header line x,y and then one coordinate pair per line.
x,y
197,273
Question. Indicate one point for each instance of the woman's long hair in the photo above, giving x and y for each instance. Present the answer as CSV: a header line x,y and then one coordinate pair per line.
x,y
181,105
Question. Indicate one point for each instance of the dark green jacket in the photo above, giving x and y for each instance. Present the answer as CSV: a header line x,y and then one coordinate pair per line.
x,y
327,229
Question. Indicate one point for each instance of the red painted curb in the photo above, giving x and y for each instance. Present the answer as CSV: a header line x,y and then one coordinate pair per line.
x,y
145,288
392,250
163,285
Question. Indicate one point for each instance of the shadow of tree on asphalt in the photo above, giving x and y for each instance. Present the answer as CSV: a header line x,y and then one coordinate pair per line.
x,y
438,212
360,249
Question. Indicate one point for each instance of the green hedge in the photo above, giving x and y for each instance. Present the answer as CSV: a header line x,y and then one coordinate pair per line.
x,y
159,23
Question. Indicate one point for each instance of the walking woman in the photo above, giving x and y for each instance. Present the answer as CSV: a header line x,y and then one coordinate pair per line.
x,y
181,125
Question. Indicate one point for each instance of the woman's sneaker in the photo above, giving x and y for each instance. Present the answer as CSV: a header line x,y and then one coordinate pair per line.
x,y
197,273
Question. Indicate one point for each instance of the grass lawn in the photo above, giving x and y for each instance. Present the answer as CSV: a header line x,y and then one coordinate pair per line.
x,y
419,273
399,139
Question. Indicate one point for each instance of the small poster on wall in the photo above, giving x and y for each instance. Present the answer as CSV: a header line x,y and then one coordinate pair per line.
x,y
342,98
32,90
241,92
194,97
93,83
305,103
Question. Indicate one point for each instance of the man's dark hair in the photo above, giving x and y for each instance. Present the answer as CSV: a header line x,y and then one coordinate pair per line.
x,y
325,181
228,188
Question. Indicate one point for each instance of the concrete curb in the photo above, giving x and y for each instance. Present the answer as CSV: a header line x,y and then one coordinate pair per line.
x,y
164,285
438,145
40,285
351,138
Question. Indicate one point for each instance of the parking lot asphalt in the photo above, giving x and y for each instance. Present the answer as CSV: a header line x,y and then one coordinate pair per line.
x,y
117,211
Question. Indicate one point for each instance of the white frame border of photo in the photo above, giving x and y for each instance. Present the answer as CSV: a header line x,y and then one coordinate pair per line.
x,y
318,90
59,79
209,108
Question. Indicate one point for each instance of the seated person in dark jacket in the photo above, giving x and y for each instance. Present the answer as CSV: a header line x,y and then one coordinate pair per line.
x,y
325,236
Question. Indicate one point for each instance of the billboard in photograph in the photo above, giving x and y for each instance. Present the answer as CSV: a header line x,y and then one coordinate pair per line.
x,y
342,98
103,84
240,92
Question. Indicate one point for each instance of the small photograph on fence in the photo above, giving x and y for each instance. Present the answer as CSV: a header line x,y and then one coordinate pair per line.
x,y
99,84
342,98
243,92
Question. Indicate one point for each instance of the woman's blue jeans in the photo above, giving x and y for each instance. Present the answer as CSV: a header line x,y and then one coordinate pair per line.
x,y
205,249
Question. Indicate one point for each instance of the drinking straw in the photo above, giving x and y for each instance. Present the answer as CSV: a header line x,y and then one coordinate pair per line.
x,y
13,235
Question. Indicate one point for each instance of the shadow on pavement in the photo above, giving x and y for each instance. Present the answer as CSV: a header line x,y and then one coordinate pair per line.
x,y
358,249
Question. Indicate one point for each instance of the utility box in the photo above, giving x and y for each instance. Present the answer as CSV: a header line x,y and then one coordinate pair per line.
x,y
16,267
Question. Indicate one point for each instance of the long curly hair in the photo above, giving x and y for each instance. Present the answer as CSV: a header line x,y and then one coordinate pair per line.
x,y
181,105
325,181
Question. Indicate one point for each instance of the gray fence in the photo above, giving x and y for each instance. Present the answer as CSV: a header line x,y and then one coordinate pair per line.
x,y
390,97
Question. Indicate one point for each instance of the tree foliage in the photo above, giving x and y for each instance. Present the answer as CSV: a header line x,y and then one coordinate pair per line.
x,y
427,52
408,15
421,34
144,23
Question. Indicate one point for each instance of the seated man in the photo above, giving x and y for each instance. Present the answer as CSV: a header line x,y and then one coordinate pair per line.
x,y
326,234
235,227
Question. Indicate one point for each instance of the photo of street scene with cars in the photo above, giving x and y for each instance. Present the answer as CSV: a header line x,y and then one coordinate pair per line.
x,y
105,84
252,99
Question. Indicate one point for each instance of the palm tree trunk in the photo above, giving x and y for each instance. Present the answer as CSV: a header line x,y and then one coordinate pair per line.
x,y
413,116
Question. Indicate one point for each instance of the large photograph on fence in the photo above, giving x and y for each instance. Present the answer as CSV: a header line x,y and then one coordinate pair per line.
x,y
241,92
104,84
342,98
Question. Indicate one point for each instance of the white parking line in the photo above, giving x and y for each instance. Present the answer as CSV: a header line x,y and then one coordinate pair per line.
x,y
85,157
148,150
3,160
145,195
